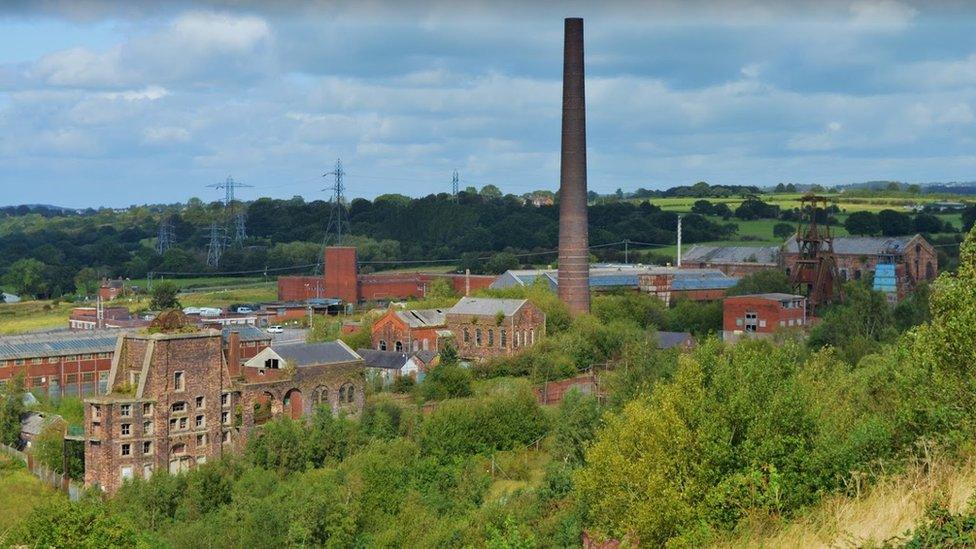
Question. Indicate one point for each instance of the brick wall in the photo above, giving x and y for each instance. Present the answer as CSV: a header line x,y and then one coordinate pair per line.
x,y
340,274
526,327
771,316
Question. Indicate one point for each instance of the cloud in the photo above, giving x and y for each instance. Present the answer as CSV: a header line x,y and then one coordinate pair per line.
x,y
882,14
165,134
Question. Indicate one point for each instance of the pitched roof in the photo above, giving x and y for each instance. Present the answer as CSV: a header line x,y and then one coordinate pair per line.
x,y
667,340
387,360
775,296
702,279
731,254
425,356
59,343
33,423
485,306
315,354
247,332
863,245
423,318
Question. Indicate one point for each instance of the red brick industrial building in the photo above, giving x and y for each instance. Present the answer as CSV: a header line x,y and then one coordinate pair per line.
x,y
735,261
915,260
410,330
342,280
177,400
761,315
62,364
485,328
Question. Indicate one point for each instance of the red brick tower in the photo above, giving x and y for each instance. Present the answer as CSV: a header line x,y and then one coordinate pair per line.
x,y
340,274
574,268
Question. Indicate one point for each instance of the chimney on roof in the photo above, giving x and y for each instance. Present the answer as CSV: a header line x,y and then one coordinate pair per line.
x,y
574,254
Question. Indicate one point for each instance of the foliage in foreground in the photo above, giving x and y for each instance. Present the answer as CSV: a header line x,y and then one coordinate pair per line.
x,y
758,429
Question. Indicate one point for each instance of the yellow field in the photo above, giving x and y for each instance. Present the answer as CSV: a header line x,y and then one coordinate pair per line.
x,y
891,508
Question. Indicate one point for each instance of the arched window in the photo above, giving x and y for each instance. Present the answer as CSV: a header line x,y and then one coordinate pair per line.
x,y
477,337
321,395
347,393
518,339
504,338
342,394
491,337
857,274
398,346
350,393
532,336
382,345
426,344
416,345
929,271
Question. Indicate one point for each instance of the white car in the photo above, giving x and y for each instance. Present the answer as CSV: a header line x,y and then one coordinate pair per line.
x,y
276,329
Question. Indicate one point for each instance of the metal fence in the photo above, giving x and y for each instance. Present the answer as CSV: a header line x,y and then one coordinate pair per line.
x,y
47,476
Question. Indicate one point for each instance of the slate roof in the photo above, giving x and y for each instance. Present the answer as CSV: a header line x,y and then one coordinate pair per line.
x,y
486,306
863,245
702,279
773,295
425,356
667,340
58,344
423,318
248,333
387,360
731,254
32,423
315,354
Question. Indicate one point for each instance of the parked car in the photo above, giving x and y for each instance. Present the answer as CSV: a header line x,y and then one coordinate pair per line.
x,y
276,329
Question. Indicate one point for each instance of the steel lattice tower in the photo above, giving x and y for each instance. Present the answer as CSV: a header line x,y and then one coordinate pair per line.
x,y
338,217
166,237
455,183
235,219
218,240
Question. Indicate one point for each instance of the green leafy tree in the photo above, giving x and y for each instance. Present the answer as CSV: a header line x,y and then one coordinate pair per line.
x,y
784,230
164,296
862,223
927,223
50,448
576,421
894,223
761,282
27,277
87,523
86,281
491,192
857,327
11,408
446,380
501,262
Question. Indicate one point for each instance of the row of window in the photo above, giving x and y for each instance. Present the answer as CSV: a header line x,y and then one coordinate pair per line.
x,y
398,345
522,337
179,448
53,359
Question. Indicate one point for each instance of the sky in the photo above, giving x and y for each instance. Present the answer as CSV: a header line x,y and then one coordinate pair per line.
x,y
111,104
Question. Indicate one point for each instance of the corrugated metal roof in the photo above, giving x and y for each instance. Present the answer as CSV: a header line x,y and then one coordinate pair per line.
x,y
58,344
863,245
703,283
423,318
487,306
666,340
776,296
248,333
731,254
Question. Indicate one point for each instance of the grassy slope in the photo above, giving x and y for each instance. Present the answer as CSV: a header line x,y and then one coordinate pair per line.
x,y
885,511
19,493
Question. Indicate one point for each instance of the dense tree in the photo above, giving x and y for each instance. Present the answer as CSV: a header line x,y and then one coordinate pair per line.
x,y
86,281
862,223
760,282
164,296
927,223
28,277
754,208
784,230
894,223
858,326
11,408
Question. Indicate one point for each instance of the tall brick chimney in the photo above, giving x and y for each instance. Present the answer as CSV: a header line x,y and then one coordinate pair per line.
x,y
574,254
234,354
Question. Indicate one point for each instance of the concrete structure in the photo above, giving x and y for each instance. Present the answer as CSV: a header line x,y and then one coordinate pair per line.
x,y
177,400
410,330
66,363
761,315
484,327
736,261
574,252
915,260
342,281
